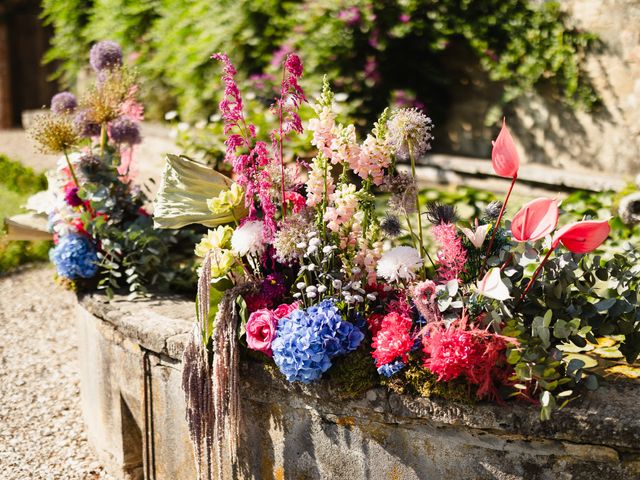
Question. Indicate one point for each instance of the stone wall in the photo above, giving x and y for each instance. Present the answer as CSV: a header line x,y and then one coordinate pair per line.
x,y
134,411
548,132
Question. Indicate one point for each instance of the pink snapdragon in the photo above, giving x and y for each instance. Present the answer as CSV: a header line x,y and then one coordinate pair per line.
x,y
345,148
373,159
323,129
320,182
452,256
344,204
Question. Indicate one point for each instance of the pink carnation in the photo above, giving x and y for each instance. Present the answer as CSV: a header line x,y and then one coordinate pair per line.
x,y
393,340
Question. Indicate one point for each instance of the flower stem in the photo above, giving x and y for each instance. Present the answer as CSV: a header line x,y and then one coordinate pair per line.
x,y
413,174
535,275
103,138
495,228
71,169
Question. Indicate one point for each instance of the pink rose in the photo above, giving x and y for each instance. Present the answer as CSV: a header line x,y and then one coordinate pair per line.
x,y
284,309
261,330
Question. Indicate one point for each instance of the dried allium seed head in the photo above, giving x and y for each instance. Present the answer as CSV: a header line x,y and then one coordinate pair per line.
x,y
63,102
438,213
54,133
409,133
103,102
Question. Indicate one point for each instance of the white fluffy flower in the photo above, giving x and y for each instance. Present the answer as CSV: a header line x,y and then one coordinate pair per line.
x,y
248,239
399,263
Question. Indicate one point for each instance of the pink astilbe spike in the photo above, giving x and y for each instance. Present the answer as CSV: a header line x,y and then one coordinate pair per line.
x,y
535,220
286,109
452,256
249,167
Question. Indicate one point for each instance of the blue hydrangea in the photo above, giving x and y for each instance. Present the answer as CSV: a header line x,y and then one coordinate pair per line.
x,y
307,340
74,257
391,368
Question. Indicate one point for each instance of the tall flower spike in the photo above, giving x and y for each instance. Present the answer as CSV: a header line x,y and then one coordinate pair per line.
x,y
504,156
535,220
582,237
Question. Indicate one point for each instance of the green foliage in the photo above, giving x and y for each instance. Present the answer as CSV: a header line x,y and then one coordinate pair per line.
x,y
18,178
363,46
69,46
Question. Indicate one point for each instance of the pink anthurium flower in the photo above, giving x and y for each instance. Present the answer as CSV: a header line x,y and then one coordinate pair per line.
x,y
506,163
582,237
535,220
504,156
492,286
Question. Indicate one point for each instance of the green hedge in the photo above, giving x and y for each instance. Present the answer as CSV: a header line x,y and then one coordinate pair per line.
x,y
375,51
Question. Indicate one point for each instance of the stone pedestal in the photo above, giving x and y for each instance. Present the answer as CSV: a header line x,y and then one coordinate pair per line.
x,y
134,412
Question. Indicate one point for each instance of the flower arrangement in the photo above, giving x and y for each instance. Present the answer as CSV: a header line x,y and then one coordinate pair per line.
x,y
102,229
327,275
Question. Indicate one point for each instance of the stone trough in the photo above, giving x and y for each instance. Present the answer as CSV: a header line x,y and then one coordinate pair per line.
x,y
130,361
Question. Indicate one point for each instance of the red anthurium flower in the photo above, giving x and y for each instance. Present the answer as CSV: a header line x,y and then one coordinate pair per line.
x,y
535,220
504,156
582,237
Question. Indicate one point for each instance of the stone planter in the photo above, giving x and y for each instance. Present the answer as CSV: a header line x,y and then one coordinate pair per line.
x,y
134,412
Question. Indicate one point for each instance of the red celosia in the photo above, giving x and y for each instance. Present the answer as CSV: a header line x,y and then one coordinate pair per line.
x,y
461,350
452,256
393,339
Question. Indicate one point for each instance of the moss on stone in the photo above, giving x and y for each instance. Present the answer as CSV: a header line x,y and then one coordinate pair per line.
x,y
415,380
352,375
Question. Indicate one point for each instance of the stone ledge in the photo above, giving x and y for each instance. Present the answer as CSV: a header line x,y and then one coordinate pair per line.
x,y
160,324
610,416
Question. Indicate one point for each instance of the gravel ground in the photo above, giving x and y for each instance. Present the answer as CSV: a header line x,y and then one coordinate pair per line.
x,y
41,428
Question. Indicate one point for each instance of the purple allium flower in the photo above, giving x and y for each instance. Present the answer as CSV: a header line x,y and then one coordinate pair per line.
x,y
123,130
105,55
63,102
86,127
